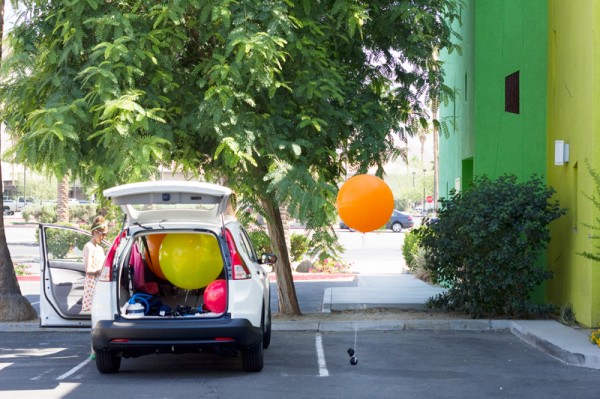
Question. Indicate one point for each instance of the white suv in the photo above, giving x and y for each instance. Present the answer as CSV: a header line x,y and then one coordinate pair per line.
x,y
178,278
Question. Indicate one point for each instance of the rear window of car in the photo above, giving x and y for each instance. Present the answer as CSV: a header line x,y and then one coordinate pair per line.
x,y
158,207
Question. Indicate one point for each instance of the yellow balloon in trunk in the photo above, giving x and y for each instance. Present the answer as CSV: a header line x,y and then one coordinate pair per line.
x,y
190,261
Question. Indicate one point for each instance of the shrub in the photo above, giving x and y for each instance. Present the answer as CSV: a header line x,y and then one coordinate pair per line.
x,y
418,268
409,247
46,213
83,213
330,265
298,246
21,269
595,232
595,337
261,241
595,229
40,213
61,242
486,243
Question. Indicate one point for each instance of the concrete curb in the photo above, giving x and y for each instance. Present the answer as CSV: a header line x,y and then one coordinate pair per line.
x,y
34,326
559,341
392,325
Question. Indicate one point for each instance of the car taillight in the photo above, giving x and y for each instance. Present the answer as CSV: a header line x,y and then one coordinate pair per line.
x,y
240,270
106,273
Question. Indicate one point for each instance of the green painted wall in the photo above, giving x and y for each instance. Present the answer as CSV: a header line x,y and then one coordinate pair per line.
x,y
500,37
510,36
456,145
573,104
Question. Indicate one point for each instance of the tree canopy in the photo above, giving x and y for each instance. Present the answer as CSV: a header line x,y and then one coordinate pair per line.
x,y
279,97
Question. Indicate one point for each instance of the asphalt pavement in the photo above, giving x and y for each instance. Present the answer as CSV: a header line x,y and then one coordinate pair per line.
x,y
379,281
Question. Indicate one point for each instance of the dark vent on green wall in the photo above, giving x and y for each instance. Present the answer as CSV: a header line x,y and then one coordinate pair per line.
x,y
511,93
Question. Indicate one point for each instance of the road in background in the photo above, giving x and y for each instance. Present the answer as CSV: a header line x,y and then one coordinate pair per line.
x,y
373,253
377,252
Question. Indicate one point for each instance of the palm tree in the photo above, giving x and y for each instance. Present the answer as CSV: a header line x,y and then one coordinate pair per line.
x,y
62,209
13,305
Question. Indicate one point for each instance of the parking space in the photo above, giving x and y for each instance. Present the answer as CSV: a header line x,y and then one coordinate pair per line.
x,y
302,364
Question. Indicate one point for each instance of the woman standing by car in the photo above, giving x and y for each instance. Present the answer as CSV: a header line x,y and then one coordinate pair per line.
x,y
93,259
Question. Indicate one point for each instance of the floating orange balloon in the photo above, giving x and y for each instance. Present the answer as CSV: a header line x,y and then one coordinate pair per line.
x,y
365,203
154,241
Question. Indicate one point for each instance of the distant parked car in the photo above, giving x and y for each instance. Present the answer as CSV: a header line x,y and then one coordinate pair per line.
x,y
400,220
344,226
427,221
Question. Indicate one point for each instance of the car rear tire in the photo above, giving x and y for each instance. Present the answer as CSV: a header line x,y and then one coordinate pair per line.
x,y
253,358
397,227
108,362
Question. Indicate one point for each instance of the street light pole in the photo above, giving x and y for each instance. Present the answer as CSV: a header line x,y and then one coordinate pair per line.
x,y
424,170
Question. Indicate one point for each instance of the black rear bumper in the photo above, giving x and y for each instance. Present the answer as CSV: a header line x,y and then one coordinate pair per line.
x,y
138,337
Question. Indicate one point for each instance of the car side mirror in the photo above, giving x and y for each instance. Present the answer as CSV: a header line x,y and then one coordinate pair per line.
x,y
268,259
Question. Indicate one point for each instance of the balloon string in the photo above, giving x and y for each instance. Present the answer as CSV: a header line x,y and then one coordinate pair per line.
x,y
355,335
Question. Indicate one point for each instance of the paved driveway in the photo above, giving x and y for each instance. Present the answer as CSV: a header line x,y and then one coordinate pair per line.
x,y
399,364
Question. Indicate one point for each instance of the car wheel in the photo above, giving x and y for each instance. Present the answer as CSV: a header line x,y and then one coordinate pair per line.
x,y
107,362
397,227
267,330
253,358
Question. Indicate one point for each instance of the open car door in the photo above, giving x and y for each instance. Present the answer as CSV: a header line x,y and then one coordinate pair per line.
x,y
62,276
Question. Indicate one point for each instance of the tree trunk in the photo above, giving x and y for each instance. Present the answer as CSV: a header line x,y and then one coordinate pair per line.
x,y
62,209
13,305
285,221
286,291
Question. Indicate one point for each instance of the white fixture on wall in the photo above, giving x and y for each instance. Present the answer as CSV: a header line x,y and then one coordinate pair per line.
x,y
561,152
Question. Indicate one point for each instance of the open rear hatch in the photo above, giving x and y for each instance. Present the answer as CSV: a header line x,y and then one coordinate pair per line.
x,y
172,272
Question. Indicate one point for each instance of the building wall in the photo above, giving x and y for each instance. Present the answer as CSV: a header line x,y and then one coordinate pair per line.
x,y
499,38
510,36
456,144
573,101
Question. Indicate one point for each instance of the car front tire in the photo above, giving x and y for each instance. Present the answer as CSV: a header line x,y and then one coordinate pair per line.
x,y
397,227
108,362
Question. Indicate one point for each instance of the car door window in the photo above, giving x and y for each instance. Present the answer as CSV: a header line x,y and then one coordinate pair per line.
x,y
63,269
248,247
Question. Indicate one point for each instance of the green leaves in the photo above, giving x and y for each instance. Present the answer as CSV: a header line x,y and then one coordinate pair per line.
x,y
594,228
487,242
277,96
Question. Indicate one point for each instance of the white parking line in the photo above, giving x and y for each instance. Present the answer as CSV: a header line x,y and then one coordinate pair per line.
x,y
323,372
39,377
74,369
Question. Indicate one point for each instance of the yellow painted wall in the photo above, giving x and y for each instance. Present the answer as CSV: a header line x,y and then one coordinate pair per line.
x,y
574,116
